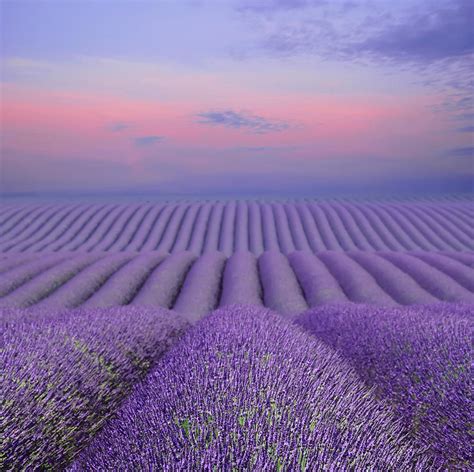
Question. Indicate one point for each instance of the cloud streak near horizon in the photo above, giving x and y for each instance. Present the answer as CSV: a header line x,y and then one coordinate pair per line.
x,y
240,120
148,140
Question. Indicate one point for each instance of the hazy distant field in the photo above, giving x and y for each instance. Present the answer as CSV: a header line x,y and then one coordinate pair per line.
x,y
93,295
238,226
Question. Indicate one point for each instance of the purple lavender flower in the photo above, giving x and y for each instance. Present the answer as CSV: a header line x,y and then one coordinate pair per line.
x,y
64,373
417,358
247,390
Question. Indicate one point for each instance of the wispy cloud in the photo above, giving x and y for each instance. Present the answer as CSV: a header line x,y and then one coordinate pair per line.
x,y
262,149
466,129
264,6
423,33
432,39
118,126
250,148
240,120
147,140
432,35
461,152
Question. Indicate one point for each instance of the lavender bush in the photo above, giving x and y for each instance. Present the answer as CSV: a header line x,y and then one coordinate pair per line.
x,y
400,286
245,225
13,261
122,286
171,229
64,373
358,284
226,239
201,288
281,291
183,236
22,272
162,286
83,229
241,282
417,358
242,236
462,274
196,237
86,283
430,278
47,281
247,390
318,284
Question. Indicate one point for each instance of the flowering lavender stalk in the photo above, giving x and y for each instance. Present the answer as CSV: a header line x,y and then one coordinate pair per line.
x,y
247,390
418,359
64,373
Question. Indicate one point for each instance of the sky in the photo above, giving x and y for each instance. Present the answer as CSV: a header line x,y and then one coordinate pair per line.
x,y
238,97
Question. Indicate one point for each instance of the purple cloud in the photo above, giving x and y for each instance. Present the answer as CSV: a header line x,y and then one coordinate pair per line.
x,y
148,140
118,126
435,35
262,149
264,6
466,129
232,119
467,151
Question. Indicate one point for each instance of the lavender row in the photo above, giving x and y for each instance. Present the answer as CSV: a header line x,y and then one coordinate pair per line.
x,y
65,372
247,390
240,226
287,284
419,360
46,282
200,291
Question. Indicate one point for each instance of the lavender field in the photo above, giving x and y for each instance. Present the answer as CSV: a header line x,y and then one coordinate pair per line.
x,y
232,226
239,335
236,235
